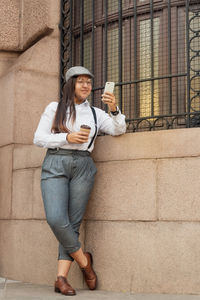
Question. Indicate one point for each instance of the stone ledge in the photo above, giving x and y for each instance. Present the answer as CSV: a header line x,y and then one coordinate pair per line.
x,y
147,145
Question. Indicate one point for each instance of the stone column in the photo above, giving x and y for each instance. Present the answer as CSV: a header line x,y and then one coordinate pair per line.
x,y
29,80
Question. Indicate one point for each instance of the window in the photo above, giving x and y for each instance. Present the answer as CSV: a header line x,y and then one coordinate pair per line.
x,y
150,48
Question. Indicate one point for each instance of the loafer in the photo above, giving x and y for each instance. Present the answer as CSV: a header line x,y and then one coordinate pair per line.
x,y
89,274
63,287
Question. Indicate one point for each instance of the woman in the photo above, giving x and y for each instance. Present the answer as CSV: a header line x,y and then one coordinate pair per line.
x,y
68,171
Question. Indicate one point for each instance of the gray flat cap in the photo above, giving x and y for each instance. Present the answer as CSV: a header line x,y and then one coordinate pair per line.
x,y
76,71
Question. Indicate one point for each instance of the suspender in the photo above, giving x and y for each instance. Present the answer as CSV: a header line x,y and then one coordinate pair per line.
x,y
95,121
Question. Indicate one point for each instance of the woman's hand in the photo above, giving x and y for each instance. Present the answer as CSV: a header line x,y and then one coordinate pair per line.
x,y
77,137
109,98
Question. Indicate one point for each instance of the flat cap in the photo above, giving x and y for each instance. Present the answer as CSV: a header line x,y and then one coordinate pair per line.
x,y
76,71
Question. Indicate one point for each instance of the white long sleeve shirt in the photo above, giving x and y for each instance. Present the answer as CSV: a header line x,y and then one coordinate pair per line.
x,y
113,125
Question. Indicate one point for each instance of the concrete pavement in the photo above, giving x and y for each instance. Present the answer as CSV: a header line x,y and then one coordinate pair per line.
x,y
16,290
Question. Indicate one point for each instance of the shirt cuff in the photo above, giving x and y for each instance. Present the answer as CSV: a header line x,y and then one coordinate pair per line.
x,y
117,109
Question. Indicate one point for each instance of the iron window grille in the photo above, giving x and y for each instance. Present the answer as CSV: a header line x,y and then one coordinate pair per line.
x,y
150,48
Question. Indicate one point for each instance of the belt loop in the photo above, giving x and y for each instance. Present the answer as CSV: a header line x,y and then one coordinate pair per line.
x,y
57,149
54,151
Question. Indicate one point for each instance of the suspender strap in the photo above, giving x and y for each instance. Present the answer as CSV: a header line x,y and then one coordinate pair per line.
x,y
95,121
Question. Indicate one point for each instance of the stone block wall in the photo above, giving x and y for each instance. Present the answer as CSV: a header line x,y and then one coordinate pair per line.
x,y
142,222
29,80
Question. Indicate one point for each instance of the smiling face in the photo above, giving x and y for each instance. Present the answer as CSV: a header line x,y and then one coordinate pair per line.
x,y
83,88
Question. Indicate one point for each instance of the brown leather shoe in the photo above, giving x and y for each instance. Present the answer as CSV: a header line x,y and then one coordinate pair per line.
x,y
89,274
63,287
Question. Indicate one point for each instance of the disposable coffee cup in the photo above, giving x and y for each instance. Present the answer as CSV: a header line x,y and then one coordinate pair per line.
x,y
85,128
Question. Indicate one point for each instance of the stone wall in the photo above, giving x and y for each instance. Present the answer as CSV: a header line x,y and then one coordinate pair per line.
x,y
142,222
143,217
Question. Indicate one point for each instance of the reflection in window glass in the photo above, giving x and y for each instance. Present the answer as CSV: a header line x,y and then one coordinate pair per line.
x,y
145,88
87,54
113,6
113,63
113,54
87,10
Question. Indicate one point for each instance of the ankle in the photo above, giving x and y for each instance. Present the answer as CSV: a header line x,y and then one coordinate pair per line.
x,y
84,263
61,275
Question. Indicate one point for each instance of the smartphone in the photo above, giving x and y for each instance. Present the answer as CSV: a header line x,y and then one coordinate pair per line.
x,y
109,87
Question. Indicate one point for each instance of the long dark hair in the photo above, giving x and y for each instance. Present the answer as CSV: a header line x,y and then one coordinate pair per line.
x,y
66,102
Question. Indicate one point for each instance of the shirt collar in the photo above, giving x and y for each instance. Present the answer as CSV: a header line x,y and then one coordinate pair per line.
x,y
85,103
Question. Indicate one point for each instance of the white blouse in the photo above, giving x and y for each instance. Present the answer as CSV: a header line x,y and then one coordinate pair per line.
x,y
113,125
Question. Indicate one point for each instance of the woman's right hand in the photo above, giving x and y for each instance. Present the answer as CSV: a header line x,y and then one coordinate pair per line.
x,y
79,137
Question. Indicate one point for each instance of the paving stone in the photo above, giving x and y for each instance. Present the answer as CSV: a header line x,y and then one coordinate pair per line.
x,y
23,291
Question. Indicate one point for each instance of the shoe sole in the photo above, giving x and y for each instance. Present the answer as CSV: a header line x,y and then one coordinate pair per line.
x,y
57,290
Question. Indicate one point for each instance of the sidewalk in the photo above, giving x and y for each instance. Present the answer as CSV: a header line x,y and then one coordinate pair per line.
x,y
16,290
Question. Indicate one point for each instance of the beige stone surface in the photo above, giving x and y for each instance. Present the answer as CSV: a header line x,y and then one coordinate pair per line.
x,y
54,13
6,109
33,92
6,154
23,22
26,94
7,59
35,20
155,144
44,56
22,194
27,156
28,253
124,190
38,208
22,89
146,257
179,189
10,24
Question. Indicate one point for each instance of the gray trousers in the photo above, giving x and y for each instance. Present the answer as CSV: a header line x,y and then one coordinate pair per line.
x,y
66,182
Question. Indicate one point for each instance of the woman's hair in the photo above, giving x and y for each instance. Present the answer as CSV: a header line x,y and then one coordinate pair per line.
x,y
65,105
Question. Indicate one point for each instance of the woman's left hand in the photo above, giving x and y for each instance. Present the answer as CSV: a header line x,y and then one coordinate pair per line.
x,y
109,98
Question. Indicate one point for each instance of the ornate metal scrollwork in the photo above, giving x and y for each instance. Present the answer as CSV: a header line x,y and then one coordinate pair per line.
x,y
65,39
194,65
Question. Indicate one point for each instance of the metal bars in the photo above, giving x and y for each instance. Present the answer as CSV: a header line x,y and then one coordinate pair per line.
x,y
81,32
138,40
169,57
135,60
152,59
188,64
120,54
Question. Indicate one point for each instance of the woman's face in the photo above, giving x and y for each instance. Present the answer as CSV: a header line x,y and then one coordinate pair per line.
x,y
83,88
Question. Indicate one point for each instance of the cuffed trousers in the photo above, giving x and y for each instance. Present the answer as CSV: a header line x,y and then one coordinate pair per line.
x,y
66,182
